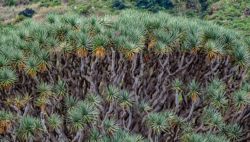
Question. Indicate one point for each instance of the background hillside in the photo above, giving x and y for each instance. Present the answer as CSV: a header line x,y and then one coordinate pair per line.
x,y
232,14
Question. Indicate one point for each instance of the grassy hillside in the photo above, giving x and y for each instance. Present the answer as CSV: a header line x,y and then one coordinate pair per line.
x,y
231,14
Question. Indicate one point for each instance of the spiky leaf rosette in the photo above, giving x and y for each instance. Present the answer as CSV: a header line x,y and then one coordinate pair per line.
x,y
7,78
241,98
110,127
60,88
216,91
5,121
54,121
93,99
177,85
44,89
193,137
112,93
29,127
99,43
70,102
124,99
3,61
32,66
233,131
82,45
193,90
212,117
81,116
157,122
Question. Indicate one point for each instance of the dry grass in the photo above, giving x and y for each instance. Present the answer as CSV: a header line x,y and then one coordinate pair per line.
x,y
43,11
10,14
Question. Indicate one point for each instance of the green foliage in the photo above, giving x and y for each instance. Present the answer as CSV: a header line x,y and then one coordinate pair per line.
x,y
193,87
91,6
112,93
124,99
44,89
5,115
216,91
118,4
70,102
60,88
10,2
241,98
230,14
177,85
233,131
212,118
83,9
81,116
204,138
157,122
50,3
110,127
154,5
144,106
29,127
123,136
92,99
7,77
54,121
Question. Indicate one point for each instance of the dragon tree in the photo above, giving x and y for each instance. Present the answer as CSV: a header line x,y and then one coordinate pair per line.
x,y
132,77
